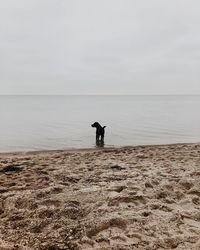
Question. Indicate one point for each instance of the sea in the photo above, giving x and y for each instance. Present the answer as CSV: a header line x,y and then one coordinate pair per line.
x,y
47,122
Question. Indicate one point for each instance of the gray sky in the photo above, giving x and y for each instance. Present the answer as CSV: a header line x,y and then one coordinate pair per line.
x,y
100,47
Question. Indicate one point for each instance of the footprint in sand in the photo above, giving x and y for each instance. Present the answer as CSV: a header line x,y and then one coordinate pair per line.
x,y
105,225
133,197
186,184
50,202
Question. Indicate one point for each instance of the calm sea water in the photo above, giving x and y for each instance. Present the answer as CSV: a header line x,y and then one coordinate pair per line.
x,y
62,122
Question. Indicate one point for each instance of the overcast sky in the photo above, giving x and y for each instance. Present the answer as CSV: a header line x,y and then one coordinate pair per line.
x,y
100,47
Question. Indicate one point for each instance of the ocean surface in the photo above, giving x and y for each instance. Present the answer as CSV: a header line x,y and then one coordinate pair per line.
x,y
64,122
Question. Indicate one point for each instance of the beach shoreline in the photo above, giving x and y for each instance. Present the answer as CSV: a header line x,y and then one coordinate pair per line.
x,y
47,151
133,197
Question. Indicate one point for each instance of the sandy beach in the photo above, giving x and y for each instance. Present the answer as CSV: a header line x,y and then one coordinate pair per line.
x,y
145,197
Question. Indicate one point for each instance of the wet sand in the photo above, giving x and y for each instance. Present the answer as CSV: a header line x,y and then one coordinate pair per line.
x,y
145,197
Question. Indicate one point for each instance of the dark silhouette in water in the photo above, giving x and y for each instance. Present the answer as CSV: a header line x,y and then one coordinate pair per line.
x,y
100,131
100,143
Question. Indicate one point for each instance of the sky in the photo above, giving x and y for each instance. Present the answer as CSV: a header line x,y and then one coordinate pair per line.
x,y
100,47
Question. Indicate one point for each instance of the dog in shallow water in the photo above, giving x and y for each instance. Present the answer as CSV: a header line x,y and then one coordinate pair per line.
x,y
100,131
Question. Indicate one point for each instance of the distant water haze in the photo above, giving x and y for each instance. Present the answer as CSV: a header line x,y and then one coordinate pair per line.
x,y
64,122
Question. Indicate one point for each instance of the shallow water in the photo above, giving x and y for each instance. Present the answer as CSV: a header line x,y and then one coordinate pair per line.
x,y
62,122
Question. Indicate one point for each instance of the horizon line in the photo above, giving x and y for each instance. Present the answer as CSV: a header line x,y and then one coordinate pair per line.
x,y
99,94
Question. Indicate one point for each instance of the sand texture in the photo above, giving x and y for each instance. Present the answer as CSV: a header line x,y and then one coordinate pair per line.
x,y
145,197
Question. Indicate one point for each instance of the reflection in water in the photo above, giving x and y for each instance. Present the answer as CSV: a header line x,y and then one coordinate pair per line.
x,y
100,143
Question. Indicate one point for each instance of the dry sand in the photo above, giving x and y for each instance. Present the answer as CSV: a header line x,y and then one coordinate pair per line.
x,y
145,197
